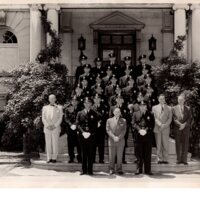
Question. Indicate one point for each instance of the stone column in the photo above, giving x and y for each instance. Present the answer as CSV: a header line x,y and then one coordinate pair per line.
x,y
52,16
180,23
195,32
35,31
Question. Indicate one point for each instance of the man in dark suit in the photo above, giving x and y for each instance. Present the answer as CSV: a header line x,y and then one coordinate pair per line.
x,y
143,123
182,120
72,137
101,111
116,129
86,122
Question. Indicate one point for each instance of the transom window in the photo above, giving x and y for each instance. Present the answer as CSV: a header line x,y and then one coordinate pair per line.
x,y
9,37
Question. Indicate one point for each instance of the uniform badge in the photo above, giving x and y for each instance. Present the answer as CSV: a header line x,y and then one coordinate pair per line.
x,y
148,118
92,116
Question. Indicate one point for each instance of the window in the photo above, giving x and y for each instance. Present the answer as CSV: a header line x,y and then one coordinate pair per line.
x,y
9,37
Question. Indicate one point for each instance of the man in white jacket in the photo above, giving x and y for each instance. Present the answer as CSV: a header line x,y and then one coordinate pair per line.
x,y
52,116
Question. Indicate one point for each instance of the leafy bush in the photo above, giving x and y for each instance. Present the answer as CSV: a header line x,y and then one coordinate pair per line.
x,y
30,85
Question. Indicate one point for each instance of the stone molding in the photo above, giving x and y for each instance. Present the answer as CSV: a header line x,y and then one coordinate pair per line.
x,y
35,7
52,7
180,6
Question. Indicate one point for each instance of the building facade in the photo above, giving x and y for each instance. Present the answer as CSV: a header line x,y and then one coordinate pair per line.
x,y
121,28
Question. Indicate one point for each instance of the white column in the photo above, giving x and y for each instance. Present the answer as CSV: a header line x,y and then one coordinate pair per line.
x,y
35,31
52,16
180,23
195,32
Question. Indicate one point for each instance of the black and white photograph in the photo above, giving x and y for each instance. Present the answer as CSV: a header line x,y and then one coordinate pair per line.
x,y
100,94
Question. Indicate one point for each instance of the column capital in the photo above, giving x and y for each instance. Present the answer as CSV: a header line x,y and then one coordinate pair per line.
x,y
35,7
181,6
52,7
195,6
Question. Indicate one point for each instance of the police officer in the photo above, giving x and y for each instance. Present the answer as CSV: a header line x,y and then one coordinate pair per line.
x,y
142,65
143,122
87,75
87,121
116,69
80,69
101,109
99,69
128,66
70,119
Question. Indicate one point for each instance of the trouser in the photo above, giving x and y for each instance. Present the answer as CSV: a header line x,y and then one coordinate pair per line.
x,y
116,150
126,143
135,143
182,144
144,155
162,143
87,148
100,143
51,139
73,142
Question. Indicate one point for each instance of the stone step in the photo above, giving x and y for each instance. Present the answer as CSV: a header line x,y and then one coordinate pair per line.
x,y
129,158
130,167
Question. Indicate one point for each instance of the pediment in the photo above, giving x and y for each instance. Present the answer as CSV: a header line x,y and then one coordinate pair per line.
x,y
117,21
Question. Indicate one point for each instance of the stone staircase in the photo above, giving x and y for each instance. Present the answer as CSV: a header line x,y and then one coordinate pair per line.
x,y
63,165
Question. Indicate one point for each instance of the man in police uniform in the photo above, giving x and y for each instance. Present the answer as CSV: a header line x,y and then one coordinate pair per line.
x,y
99,69
142,65
72,138
80,69
87,121
143,123
116,69
101,111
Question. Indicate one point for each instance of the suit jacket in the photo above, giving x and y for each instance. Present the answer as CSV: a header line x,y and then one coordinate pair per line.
x,y
162,118
55,120
178,118
116,129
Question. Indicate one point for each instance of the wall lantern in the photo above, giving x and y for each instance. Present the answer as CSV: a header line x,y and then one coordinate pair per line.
x,y
81,44
152,47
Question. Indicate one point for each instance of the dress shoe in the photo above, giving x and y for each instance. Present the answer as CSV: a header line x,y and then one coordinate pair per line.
x,y
49,161
53,161
178,162
90,173
160,162
136,161
120,172
83,173
185,163
138,173
101,161
111,172
70,161
165,162
149,173
124,162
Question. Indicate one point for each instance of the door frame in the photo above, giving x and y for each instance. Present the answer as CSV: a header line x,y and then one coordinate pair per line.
x,y
118,47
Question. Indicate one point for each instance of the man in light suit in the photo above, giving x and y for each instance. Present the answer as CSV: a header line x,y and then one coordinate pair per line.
x,y
52,115
181,119
116,129
163,118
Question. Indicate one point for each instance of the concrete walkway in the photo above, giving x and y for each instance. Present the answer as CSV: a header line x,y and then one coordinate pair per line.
x,y
14,175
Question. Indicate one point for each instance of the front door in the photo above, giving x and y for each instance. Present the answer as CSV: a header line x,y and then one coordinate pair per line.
x,y
121,43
